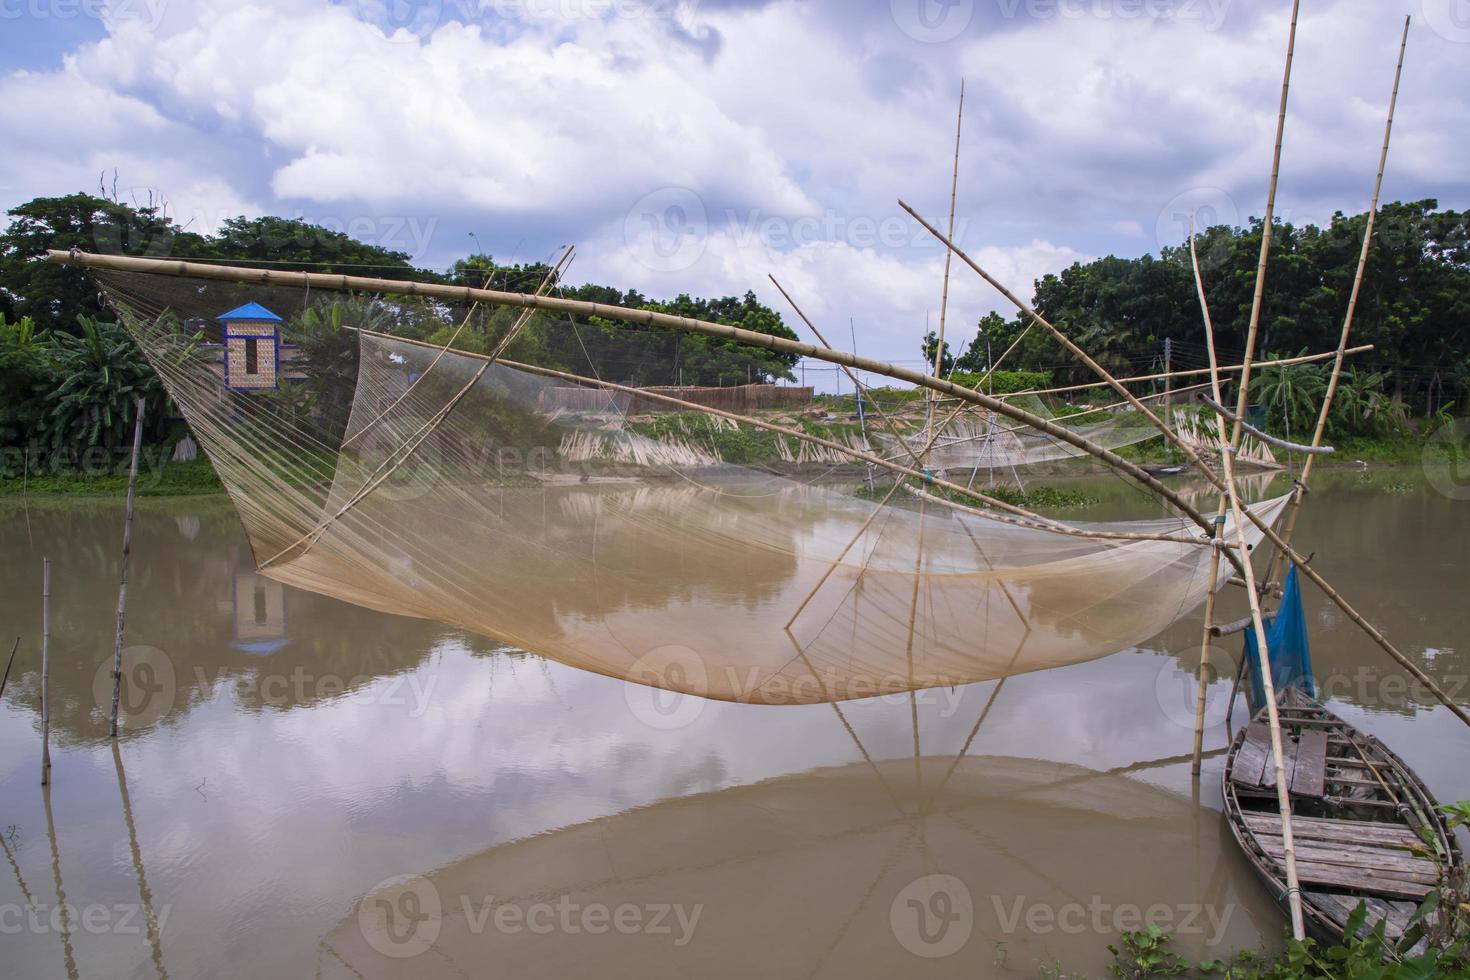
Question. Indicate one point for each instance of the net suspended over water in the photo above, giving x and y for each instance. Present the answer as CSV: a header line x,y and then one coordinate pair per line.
x,y
653,541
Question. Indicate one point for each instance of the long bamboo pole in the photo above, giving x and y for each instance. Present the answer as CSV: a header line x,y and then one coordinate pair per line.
x,y
1204,647
510,335
1288,526
1189,373
1078,352
466,294
857,385
1023,518
1258,299
650,318
1214,479
127,547
954,193
1263,654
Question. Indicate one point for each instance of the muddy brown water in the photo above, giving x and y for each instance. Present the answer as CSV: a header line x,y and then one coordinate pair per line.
x,y
305,788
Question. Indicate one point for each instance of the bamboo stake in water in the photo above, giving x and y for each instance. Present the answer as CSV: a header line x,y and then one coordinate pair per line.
x,y
127,545
1288,528
45,671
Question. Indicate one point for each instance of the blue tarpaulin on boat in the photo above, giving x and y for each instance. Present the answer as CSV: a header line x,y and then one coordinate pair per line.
x,y
1286,639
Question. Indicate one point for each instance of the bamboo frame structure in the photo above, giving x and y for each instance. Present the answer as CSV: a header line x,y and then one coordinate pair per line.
x,y
1027,518
1288,527
1214,479
345,283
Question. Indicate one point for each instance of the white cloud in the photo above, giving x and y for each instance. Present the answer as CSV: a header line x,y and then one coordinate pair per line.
x,y
537,123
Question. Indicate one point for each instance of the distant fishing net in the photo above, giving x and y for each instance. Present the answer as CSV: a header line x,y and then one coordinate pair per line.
x,y
978,440
530,501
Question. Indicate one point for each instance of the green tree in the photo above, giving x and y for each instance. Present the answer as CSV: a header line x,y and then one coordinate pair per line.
x,y
101,372
930,349
53,295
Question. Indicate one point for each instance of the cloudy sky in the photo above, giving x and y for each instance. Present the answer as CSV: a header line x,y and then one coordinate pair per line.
x,y
701,145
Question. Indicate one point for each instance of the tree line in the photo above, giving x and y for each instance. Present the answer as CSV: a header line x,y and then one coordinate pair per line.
x,y
1414,305
69,373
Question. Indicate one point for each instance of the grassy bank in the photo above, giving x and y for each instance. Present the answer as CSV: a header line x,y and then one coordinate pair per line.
x,y
168,480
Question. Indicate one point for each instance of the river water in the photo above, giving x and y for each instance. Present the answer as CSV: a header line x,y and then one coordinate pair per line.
x,y
307,788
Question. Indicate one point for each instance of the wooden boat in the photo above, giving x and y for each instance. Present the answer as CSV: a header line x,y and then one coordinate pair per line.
x,y
1363,821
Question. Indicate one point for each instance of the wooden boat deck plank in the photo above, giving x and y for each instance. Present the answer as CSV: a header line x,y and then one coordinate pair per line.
x,y
1288,762
1395,914
1396,864
1250,761
1308,778
1337,876
1339,831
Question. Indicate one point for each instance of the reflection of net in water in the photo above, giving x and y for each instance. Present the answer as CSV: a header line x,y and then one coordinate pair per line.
x,y
825,868
439,485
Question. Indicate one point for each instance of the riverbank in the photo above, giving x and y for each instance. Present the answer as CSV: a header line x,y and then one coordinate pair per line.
x,y
174,479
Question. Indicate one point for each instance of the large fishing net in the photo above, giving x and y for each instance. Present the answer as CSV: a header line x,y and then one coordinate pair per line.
x,y
766,560
977,441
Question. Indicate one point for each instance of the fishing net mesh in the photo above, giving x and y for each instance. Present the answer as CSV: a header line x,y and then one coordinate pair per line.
x,y
542,501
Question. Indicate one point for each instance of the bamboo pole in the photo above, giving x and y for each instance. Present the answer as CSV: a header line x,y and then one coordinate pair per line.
x,y
45,671
510,335
1258,299
650,318
1288,526
954,192
857,385
1263,654
1077,352
334,281
1190,372
1204,646
127,547
1028,518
